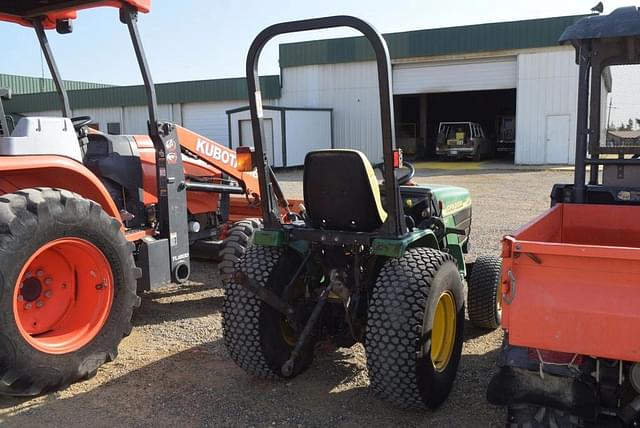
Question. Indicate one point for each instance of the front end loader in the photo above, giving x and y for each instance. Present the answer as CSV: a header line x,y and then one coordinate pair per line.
x,y
363,262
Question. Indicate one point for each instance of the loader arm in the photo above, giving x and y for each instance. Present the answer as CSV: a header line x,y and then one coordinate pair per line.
x,y
221,158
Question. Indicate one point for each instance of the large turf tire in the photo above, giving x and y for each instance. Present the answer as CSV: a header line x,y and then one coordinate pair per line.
x,y
399,326
251,328
484,299
29,220
531,416
235,245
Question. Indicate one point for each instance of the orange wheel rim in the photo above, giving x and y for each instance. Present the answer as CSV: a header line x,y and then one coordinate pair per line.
x,y
63,296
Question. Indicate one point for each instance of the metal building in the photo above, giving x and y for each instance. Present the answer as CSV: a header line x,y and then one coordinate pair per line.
x,y
472,73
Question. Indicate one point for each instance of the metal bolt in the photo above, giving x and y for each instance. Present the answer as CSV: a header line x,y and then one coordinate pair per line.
x,y
20,298
47,294
48,281
28,275
28,306
39,273
39,303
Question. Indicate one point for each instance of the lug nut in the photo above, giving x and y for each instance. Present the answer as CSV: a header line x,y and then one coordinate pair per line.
x,y
48,281
20,298
39,273
39,303
28,275
47,294
28,306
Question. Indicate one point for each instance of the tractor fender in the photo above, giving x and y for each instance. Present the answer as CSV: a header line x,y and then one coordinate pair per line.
x,y
21,172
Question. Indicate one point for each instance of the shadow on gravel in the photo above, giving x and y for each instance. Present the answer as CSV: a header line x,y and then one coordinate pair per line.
x,y
153,312
202,387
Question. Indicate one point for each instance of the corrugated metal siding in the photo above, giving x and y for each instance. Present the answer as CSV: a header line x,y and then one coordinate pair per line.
x,y
210,119
351,90
473,75
547,85
28,85
526,34
167,93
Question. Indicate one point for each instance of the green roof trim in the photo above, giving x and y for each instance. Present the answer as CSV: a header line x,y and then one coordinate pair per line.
x,y
30,85
533,33
232,89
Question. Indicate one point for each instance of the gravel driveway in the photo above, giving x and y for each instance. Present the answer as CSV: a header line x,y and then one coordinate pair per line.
x,y
173,370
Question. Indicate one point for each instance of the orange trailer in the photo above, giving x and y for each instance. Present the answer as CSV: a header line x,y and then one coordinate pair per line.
x,y
571,277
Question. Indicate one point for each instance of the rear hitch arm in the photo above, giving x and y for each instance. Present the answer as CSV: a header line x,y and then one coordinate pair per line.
x,y
264,294
288,366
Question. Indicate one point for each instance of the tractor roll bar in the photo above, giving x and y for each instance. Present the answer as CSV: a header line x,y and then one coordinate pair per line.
x,y
270,212
53,67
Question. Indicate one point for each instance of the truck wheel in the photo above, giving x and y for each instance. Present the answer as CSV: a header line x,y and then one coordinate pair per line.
x,y
67,290
414,328
259,338
239,238
531,416
485,294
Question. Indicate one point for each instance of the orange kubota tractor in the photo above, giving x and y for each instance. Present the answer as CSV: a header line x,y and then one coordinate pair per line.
x,y
87,220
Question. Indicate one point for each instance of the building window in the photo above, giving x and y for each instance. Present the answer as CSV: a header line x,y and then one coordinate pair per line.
x,y
113,128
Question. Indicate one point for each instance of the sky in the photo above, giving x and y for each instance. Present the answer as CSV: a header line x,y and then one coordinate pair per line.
x,y
201,39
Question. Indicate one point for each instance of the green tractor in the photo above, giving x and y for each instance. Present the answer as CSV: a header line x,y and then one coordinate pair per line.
x,y
380,264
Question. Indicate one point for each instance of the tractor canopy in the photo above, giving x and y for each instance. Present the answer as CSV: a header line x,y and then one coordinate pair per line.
x,y
622,22
50,12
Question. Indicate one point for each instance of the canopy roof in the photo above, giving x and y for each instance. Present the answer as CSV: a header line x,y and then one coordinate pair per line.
x,y
23,12
622,22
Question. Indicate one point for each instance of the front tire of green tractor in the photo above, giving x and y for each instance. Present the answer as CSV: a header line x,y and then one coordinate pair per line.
x,y
485,294
259,338
235,245
415,328
67,290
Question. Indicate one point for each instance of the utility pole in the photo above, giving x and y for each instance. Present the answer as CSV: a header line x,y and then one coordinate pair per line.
x,y
609,113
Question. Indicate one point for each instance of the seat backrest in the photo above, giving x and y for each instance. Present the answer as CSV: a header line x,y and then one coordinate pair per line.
x,y
341,191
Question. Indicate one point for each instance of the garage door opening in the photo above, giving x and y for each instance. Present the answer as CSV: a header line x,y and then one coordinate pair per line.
x,y
418,118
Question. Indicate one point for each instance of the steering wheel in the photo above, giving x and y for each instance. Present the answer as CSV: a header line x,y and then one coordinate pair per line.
x,y
80,121
403,179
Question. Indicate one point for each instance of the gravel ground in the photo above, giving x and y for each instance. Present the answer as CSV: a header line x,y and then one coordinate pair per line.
x,y
174,370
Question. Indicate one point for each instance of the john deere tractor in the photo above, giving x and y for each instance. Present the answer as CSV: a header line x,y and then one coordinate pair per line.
x,y
377,263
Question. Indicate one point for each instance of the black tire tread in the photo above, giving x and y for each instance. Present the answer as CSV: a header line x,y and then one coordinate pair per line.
x,y
239,238
484,283
241,313
391,344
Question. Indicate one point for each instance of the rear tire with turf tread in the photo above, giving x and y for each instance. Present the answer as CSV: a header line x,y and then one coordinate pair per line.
x,y
235,245
251,328
29,219
404,296
484,292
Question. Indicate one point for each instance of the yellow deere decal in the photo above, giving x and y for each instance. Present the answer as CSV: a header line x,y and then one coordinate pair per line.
x,y
455,207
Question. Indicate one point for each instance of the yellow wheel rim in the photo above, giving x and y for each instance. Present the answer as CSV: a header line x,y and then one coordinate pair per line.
x,y
443,332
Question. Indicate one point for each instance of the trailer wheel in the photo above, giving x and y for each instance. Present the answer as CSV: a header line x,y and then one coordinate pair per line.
x,y
414,328
259,338
485,294
67,290
531,416
239,238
